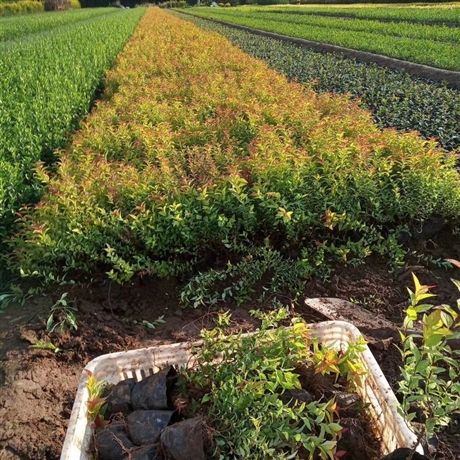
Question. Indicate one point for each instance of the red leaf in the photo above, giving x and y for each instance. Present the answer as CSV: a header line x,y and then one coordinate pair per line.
x,y
454,262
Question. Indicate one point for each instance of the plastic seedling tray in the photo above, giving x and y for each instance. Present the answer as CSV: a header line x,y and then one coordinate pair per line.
x,y
372,387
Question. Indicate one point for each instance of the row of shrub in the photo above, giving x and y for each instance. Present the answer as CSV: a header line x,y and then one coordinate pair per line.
x,y
60,5
202,159
396,99
36,6
48,84
173,4
416,43
21,7
13,28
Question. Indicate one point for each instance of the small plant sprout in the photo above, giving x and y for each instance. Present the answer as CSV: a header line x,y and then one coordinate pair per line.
x,y
431,370
5,299
223,318
96,400
151,324
42,345
62,316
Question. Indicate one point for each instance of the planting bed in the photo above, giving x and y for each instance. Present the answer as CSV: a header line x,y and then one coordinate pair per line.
x,y
51,67
431,45
422,13
395,98
15,27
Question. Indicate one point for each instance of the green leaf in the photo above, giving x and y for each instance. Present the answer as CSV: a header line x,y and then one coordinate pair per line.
x,y
434,340
50,323
429,426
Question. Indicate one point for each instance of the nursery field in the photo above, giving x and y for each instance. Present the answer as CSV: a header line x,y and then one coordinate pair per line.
x,y
222,159
51,67
204,181
430,44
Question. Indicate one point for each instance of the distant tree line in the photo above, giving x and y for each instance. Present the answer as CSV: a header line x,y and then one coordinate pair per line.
x,y
132,3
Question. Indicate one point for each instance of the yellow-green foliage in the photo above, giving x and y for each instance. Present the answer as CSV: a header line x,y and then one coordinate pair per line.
x,y
21,7
199,152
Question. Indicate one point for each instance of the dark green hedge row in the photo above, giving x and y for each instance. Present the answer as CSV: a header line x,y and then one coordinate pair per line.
x,y
396,99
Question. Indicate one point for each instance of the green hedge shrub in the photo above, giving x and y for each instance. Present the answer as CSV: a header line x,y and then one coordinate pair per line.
x,y
21,7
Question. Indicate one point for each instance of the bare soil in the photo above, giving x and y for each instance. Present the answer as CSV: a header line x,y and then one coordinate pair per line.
x,y
37,386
